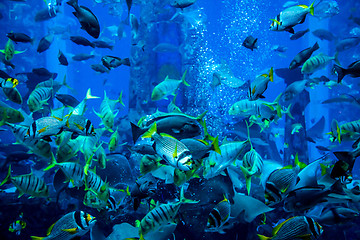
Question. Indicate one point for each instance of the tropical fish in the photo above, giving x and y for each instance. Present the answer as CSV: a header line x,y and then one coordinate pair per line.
x,y
68,148
8,82
323,34
45,43
38,98
295,228
20,37
17,226
67,100
174,152
111,62
73,224
27,184
218,216
317,62
114,140
79,40
9,50
302,56
149,163
250,42
161,215
299,34
62,58
73,171
81,107
44,128
87,19
101,157
10,115
79,125
219,161
143,187
167,87
259,85
94,183
353,70
107,111
291,17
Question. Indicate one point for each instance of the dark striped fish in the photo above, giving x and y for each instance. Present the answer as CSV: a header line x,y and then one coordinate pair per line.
x,y
45,127
218,216
13,95
161,215
299,227
94,183
28,183
38,98
347,131
73,171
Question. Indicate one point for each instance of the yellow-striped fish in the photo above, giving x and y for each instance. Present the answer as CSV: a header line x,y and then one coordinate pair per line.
x,y
106,113
27,184
94,183
9,50
114,140
218,216
167,87
8,82
38,97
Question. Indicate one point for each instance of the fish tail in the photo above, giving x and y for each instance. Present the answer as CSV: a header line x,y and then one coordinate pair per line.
x,y
339,71
247,178
288,112
183,79
136,131
215,145
312,8
65,84
53,162
316,46
201,116
271,74
207,136
120,99
89,96
185,200
8,176
73,3
152,130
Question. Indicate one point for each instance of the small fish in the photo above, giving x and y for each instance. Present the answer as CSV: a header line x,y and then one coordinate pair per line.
x,y
299,34
99,68
323,34
62,59
20,37
347,43
111,62
79,125
94,183
9,50
290,17
17,226
302,56
182,3
260,84
103,44
149,163
144,187
161,215
171,150
114,140
353,70
73,171
8,82
69,226
167,87
44,128
45,43
250,42
27,184
218,216
101,157
81,41
87,19
107,108
298,227
38,98
317,62
10,115
67,100
82,57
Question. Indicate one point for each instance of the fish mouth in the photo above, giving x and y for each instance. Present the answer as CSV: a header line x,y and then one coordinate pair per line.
x,y
90,219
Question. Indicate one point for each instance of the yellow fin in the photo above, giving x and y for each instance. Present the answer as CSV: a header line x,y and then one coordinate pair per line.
x,y
277,228
48,232
43,129
36,238
175,151
79,126
71,230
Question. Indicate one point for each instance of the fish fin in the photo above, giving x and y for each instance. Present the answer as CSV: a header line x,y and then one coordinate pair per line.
x,y
247,179
8,176
150,132
48,232
53,162
70,230
2,51
290,30
183,79
339,71
271,74
136,131
207,136
120,99
298,163
36,238
312,8
17,52
262,237
175,151
215,145
43,129
89,96
338,131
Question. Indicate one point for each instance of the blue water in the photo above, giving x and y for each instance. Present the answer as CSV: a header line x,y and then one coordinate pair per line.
x,y
206,37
